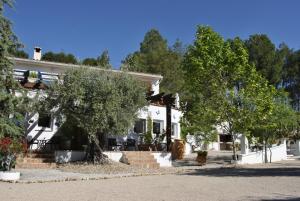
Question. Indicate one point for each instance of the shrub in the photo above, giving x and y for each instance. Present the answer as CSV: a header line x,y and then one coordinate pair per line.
x,y
9,148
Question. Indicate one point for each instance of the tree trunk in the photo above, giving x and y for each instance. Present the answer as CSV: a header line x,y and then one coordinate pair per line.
x,y
233,147
266,153
96,157
270,154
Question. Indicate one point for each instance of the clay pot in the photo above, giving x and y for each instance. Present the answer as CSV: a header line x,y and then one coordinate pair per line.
x,y
178,149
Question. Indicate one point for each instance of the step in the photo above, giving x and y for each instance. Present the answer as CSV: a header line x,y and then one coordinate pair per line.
x,y
152,166
141,159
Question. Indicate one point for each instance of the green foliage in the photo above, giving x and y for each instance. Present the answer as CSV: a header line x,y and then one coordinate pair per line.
x,y
19,54
33,74
154,56
97,102
90,62
10,105
103,61
148,134
8,149
291,76
281,122
60,57
222,89
267,60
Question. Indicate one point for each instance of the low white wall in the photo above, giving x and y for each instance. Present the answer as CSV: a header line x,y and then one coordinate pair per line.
x,y
163,158
66,156
114,156
278,153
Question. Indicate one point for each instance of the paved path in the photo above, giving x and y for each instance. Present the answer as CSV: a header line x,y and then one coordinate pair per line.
x,y
278,181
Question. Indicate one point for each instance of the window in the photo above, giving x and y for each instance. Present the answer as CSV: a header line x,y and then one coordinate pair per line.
x,y
157,127
44,120
140,126
225,138
174,129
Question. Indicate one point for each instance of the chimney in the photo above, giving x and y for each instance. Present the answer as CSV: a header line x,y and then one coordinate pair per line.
x,y
37,53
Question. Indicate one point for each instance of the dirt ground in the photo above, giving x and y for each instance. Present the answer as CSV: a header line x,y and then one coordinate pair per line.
x,y
278,181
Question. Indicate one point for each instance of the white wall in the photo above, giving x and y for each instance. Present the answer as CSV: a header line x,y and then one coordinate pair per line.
x,y
114,156
66,156
163,158
278,153
41,132
159,113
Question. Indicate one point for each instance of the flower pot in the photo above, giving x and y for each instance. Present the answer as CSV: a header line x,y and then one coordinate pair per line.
x,y
178,149
9,176
201,157
32,79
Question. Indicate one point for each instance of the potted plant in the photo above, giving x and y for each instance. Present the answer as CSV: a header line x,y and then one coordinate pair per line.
x,y
9,148
201,157
33,76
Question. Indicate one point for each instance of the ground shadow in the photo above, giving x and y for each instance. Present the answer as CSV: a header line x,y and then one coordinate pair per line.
x,y
282,199
246,172
211,160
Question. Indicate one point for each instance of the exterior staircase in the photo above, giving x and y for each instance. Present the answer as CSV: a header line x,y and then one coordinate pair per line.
x,y
36,160
141,159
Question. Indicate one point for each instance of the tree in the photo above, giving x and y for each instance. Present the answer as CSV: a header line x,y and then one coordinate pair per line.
x,y
60,57
10,104
291,77
90,62
222,88
98,102
103,60
154,56
264,56
19,53
280,123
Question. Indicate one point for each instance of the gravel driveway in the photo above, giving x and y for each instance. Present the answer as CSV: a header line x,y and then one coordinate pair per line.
x,y
277,181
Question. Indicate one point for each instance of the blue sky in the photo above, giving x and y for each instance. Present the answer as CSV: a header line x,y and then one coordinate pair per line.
x,y
86,28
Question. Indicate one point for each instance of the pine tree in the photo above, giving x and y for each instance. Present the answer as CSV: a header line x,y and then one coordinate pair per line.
x,y
10,116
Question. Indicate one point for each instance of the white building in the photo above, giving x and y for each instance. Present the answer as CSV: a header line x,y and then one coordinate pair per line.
x,y
42,129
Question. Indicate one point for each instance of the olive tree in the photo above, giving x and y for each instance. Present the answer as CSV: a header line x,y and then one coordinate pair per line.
x,y
98,102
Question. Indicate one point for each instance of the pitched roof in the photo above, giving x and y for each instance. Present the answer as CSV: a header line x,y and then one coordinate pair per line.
x,y
60,68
